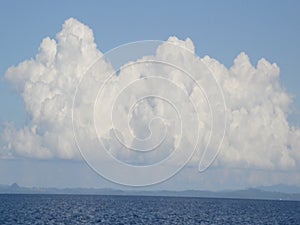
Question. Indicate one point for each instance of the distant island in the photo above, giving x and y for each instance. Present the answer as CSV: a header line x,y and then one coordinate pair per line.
x,y
276,192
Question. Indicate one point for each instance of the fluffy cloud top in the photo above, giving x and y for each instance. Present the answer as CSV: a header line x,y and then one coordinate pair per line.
x,y
258,133
47,85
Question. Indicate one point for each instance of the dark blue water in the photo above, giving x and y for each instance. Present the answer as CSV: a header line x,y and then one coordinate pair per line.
x,y
79,209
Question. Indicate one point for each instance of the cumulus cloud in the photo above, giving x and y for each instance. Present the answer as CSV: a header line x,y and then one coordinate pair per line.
x,y
258,134
258,131
47,84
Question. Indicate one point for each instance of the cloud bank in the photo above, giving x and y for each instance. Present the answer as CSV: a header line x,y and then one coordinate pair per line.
x,y
258,134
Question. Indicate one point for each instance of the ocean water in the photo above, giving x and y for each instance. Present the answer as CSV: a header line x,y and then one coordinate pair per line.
x,y
95,209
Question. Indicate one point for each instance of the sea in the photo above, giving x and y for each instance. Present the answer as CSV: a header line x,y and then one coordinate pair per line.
x,y
97,209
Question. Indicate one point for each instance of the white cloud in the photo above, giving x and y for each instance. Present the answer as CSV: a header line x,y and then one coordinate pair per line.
x,y
258,134
47,84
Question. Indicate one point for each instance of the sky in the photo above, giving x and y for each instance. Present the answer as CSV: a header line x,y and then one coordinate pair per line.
x,y
220,30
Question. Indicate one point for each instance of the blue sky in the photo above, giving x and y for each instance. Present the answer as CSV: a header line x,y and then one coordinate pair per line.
x,y
220,29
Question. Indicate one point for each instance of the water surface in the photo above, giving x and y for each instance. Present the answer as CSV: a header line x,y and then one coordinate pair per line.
x,y
96,209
